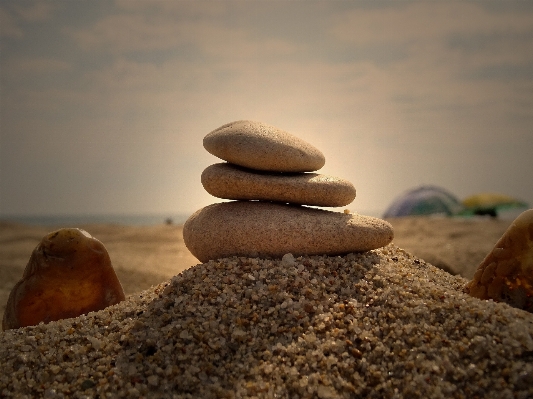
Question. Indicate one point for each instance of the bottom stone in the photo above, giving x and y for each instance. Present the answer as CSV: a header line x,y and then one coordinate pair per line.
x,y
264,229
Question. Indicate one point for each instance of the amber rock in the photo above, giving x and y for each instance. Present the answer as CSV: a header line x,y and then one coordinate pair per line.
x,y
506,274
69,274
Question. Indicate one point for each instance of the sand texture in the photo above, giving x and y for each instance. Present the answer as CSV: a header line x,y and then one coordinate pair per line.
x,y
457,245
384,323
378,324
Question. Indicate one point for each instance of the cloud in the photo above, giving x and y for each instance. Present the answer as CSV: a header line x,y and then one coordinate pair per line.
x,y
175,9
129,33
447,36
199,38
20,66
415,22
36,11
504,72
421,89
141,26
378,56
12,15
8,25
33,85
391,93
460,63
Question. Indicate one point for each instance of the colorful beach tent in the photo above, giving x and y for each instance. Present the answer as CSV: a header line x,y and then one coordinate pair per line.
x,y
491,204
424,200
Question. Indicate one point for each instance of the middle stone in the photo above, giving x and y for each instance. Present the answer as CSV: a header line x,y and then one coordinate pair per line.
x,y
229,181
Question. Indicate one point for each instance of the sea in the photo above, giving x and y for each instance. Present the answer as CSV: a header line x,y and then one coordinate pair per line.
x,y
116,219
153,219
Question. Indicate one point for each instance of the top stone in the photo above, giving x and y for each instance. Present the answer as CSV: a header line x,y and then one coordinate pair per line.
x,y
260,146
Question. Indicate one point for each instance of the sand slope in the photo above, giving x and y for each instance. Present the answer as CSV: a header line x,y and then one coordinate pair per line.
x,y
379,324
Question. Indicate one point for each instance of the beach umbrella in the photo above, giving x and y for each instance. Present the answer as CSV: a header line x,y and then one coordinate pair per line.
x,y
491,203
424,200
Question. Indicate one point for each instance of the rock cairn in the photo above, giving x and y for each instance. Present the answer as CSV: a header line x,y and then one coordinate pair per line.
x,y
268,175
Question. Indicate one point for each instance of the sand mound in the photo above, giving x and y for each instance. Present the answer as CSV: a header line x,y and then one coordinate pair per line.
x,y
379,324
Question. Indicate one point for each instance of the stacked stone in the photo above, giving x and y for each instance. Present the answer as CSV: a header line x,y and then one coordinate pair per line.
x,y
267,173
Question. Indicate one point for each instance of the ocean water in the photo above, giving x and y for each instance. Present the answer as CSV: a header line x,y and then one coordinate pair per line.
x,y
119,219
174,218
74,220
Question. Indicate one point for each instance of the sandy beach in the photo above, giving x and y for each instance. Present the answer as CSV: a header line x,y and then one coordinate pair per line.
x,y
142,256
456,245
386,323
148,255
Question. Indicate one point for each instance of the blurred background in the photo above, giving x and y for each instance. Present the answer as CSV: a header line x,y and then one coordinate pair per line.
x,y
104,104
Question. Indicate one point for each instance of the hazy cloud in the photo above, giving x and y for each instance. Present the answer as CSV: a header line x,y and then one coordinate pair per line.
x,y
8,25
109,101
12,14
34,11
39,65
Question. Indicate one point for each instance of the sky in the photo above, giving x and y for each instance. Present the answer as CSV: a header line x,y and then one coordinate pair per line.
x,y
104,104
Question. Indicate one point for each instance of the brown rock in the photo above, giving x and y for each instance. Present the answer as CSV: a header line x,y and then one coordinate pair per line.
x,y
69,273
506,274
228,181
260,146
263,229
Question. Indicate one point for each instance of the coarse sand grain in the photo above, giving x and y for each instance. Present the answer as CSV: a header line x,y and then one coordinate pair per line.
x,y
381,324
